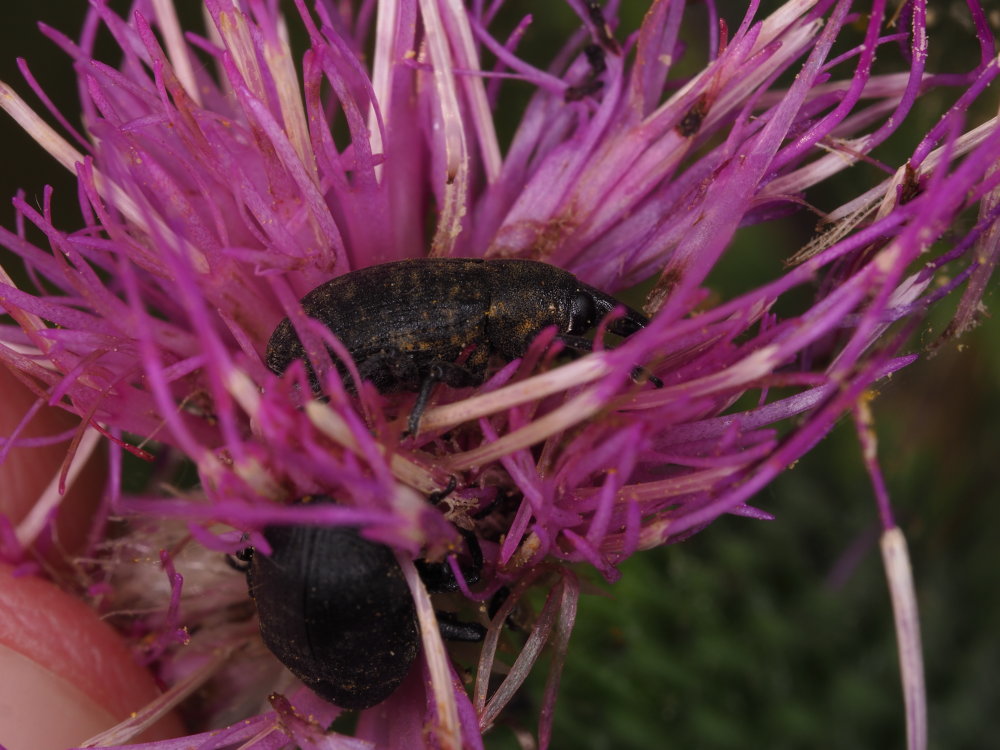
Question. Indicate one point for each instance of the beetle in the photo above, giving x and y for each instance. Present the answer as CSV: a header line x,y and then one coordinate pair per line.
x,y
335,609
407,323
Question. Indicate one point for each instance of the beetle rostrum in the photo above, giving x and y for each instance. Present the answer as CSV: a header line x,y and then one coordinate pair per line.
x,y
407,324
335,609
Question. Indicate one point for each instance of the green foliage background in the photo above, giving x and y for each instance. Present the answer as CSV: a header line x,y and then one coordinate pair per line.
x,y
752,634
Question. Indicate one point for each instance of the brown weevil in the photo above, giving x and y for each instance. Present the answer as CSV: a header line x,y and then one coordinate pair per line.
x,y
408,323
335,609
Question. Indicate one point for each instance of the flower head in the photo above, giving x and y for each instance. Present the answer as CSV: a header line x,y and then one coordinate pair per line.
x,y
223,176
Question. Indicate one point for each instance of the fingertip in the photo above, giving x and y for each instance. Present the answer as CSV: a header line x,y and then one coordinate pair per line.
x,y
66,675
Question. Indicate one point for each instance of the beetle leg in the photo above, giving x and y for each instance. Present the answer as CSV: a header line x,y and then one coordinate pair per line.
x,y
439,578
453,629
496,602
438,372
435,497
592,84
423,396
472,574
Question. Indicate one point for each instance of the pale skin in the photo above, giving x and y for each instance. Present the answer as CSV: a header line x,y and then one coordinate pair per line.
x,y
66,674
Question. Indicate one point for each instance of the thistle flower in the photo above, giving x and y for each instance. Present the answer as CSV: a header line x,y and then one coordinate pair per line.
x,y
222,176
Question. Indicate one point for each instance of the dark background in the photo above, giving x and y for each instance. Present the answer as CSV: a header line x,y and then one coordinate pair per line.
x,y
738,638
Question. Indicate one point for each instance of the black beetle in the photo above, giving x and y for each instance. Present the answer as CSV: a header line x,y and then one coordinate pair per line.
x,y
407,323
336,611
